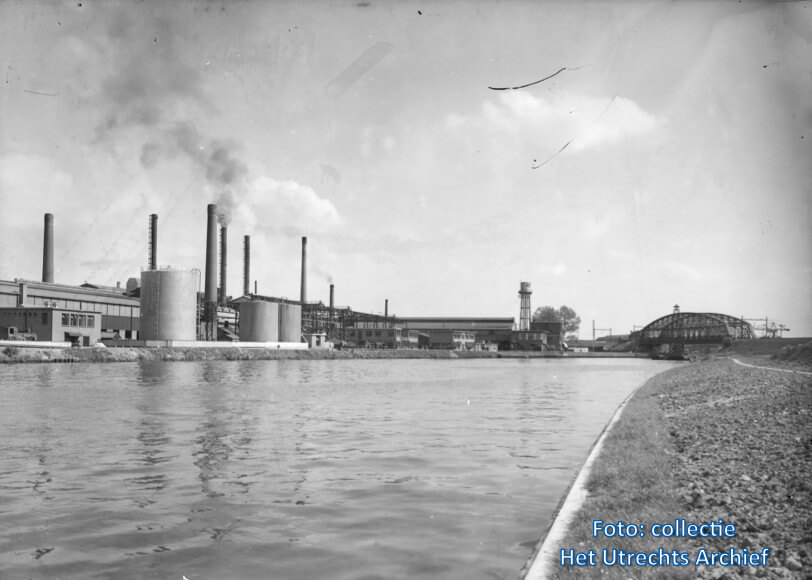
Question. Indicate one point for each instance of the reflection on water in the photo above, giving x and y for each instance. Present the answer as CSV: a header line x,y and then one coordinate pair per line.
x,y
294,469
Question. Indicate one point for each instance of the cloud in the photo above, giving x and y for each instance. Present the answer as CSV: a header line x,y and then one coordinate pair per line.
x,y
288,208
31,179
548,122
225,172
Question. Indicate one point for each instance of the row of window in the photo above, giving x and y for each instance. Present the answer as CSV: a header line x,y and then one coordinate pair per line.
x,y
464,336
377,333
530,336
78,320
29,315
108,309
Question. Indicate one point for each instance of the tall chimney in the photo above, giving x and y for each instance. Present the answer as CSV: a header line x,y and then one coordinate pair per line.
x,y
153,241
303,296
223,264
246,277
48,250
386,308
211,256
332,296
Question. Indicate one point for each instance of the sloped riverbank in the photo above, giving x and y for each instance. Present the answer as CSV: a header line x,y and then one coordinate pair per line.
x,y
702,442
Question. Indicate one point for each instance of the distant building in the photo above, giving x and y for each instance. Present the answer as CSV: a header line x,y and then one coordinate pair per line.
x,y
317,340
51,324
555,334
391,337
452,339
486,330
485,347
586,346
528,340
409,338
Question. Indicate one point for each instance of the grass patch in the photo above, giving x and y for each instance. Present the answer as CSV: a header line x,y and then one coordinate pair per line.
x,y
632,480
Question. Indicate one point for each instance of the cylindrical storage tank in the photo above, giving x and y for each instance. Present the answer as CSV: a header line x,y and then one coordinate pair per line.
x,y
524,288
259,321
290,323
168,304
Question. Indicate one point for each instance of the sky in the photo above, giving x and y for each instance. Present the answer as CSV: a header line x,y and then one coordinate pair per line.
x,y
664,159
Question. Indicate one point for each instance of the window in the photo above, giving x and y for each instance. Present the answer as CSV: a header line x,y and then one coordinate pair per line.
x,y
45,318
65,319
74,320
91,321
82,320
377,333
352,333
391,333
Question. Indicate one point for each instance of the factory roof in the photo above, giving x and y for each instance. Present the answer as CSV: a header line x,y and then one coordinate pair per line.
x,y
254,297
112,289
65,291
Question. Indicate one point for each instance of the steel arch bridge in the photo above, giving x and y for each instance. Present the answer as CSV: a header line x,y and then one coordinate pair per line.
x,y
683,328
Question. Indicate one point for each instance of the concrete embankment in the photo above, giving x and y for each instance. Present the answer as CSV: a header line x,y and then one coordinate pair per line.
x,y
706,441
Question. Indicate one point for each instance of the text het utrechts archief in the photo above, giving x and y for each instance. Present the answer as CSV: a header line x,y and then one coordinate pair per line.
x,y
663,556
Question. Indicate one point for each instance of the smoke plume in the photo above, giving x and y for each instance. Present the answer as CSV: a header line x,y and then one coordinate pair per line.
x,y
217,160
155,87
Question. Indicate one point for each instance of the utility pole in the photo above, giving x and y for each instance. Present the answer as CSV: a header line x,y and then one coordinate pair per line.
x,y
599,329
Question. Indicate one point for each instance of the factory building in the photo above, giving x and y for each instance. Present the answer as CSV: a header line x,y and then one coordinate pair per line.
x,y
112,312
49,324
554,331
528,340
169,306
374,335
119,313
448,339
487,331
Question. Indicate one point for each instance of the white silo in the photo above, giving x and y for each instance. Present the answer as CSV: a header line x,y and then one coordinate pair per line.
x,y
168,304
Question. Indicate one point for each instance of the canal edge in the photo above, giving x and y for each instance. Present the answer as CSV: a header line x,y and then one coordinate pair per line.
x,y
538,564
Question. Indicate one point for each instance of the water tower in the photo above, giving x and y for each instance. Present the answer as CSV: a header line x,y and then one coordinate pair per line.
x,y
524,308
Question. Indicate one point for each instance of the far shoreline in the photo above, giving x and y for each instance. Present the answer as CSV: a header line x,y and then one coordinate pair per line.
x,y
31,354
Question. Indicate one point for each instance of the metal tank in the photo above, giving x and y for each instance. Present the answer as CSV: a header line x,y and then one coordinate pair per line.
x,y
259,321
290,323
168,304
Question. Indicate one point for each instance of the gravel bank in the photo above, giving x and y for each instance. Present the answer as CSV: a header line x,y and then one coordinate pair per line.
x,y
744,444
731,442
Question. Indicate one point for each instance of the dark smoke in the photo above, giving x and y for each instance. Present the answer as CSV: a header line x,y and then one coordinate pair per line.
x,y
151,83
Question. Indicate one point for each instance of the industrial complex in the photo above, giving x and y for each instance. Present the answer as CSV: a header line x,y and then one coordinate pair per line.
x,y
166,307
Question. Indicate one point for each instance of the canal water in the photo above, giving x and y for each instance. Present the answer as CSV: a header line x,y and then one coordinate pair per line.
x,y
355,469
